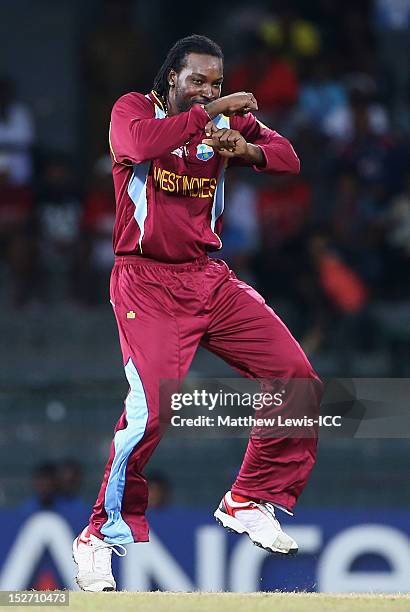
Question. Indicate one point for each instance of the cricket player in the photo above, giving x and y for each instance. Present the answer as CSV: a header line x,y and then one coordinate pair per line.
x,y
170,150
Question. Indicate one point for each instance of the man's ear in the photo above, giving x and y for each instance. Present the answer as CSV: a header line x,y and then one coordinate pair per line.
x,y
172,77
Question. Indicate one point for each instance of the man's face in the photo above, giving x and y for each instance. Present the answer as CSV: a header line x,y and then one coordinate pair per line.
x,y
198,82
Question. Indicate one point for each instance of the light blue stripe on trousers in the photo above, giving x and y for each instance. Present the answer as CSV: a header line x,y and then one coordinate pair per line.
x,y
115,529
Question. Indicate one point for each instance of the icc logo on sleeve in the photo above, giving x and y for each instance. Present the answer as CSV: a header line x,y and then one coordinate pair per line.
x,y
204,152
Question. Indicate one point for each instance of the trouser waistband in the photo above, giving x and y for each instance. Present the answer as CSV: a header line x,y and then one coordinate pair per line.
x,y
138,260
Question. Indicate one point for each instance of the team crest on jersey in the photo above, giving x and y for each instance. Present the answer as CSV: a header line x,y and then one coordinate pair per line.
x,y
204,152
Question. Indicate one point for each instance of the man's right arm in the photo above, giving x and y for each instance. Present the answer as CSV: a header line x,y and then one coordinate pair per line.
x,y
137,136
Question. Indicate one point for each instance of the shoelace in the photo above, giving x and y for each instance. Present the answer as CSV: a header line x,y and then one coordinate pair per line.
x,y
102,560
112,547
269,510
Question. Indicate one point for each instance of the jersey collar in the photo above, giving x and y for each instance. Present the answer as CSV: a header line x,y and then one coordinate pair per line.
x,y
157,100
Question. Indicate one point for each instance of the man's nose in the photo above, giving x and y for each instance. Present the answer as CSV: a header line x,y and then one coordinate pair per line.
x,y
207,91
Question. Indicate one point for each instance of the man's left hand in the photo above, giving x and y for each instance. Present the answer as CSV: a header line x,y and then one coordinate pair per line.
x,y
229,143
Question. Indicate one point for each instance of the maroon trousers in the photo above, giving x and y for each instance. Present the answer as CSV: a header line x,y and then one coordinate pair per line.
x,y
163,312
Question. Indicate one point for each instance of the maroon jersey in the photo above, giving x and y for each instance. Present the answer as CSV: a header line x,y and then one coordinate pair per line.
x,y
169,186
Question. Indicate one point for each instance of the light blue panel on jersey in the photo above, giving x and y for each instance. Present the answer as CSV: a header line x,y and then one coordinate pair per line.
x,y
137,190
159,113
137,187
115,529
219,199
221,121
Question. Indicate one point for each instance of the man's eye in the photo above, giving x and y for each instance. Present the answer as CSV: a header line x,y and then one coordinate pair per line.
x,y
198,81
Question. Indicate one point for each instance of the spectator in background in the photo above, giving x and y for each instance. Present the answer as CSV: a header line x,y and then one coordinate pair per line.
x,y
392,24
398,218
396,249
59,215
288,31
284,274
345,290
117,58
402,119
244,23
345,31
375,156
348,218
18,245
241,226
356,40
347,296
95,257
284,207
310,143
354,226
56,488
70,477
322,94
99,215
16,133
68,500
370,170
341,123
159,490
45,489
269,77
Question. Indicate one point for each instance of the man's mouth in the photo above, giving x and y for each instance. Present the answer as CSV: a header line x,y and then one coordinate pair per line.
x,y
200,101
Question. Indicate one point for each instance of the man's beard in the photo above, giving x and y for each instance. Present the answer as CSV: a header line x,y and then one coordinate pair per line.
x,y
184,105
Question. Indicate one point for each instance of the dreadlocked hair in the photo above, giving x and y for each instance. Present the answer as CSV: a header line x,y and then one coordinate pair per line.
x,y
176,57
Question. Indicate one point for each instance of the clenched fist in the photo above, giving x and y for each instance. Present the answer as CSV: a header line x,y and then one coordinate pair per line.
x,y
235,104
229,143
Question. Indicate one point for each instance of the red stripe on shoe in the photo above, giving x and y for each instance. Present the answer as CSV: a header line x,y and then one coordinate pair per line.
x,y
240,498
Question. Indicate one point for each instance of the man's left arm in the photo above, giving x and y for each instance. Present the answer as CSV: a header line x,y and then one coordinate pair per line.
x,y
256,145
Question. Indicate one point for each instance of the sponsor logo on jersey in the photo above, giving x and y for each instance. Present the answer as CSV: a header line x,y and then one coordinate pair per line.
x,y
181,184
204,152
177,152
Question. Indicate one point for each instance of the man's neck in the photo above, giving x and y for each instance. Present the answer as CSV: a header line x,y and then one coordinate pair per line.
x,y
171,108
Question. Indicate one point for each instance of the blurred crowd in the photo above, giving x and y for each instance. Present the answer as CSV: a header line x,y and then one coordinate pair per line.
x,y
57,486
331,247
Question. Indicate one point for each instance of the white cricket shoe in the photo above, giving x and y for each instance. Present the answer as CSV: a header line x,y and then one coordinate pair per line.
x,y
258,520
93,557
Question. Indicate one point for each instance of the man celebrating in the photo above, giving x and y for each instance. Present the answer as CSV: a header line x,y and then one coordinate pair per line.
x,y
170,150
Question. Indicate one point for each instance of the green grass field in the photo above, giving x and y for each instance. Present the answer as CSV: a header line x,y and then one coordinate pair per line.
x,y
234,602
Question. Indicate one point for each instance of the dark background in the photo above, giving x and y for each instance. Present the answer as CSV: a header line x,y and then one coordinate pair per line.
x,y
329,249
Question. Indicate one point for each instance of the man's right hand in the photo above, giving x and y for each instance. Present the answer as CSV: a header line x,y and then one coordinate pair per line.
x,y
235,104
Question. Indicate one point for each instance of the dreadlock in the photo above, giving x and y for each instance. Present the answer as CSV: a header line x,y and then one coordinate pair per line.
x,y
176,57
